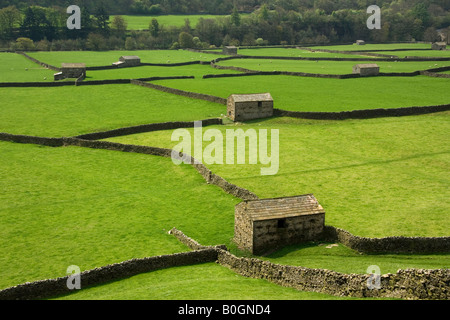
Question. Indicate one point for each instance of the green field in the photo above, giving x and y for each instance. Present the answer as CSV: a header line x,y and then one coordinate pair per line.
x,y
17,68
296,53
78,206
370,175
331,95
143,22
155,71
65,206
329,67
376,47
199,282
425,53
70,111
106,58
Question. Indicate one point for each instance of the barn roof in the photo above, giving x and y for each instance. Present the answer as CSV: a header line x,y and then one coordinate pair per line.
x,y
73,65
280,208
367,65
251,97
130,57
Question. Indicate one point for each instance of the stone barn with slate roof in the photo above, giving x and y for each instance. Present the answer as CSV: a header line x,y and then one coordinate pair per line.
x,y
242,107
265,225
128,61
369,69
439,46
230,50
71,70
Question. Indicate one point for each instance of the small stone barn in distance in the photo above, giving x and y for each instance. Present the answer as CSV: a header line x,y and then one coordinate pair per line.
x,y
230,50
242,107
439,46
71,70
369,69
264,225
128,61
360,42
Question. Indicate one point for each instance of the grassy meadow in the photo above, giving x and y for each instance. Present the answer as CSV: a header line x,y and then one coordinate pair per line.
x,y
326,95
200,282
329,67
65,206
196,70
375,178
106,58
17,68
71,111
376,47
136,22
294,53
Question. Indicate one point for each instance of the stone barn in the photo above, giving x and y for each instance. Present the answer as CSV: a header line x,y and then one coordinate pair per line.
x,y
360,42
439,46
369,69
128,61
264,225
242,107
230,50
71,70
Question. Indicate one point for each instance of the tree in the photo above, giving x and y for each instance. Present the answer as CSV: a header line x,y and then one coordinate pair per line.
x,y
101,18
130,44
10,17
264,13
24,44
185,40
235,17
431,35
420,11
35,24
96,42
119,25
154,27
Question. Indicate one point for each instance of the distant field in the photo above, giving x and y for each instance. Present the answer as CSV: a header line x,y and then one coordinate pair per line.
x,y
370,175
424,53
314,94
106,58
69,111
289,52
143,22
375,47
17,68
153,71
328,67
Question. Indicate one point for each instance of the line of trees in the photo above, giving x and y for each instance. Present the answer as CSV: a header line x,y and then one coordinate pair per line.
x,y
117,7
275,23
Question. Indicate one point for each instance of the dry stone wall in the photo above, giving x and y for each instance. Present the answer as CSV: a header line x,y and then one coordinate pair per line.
x,y
399,245
414,284
56,287
210,178
146,128
181,92
363,114
405,284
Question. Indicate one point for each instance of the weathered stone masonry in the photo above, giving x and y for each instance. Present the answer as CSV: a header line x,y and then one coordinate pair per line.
x,y
268,224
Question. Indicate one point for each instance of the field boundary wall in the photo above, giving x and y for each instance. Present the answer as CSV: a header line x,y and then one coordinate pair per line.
x,y
210,177
413,284
45,289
